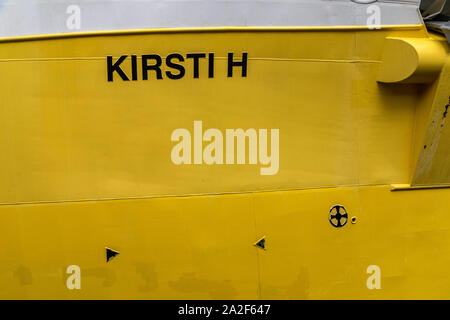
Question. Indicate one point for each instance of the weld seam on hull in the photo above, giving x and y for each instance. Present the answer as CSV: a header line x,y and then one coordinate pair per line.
x,y
206,29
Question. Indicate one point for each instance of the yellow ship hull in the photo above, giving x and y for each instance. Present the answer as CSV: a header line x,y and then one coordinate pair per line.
x,y
86,164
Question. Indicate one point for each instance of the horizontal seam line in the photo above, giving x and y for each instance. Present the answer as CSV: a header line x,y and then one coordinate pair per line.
x,y
195,194
204,30
218,58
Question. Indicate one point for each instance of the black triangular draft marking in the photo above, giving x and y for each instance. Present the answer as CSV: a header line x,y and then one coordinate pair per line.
x,y
261,243
110,253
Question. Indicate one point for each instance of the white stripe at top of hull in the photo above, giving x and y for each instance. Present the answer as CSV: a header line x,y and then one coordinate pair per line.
x,y
33,17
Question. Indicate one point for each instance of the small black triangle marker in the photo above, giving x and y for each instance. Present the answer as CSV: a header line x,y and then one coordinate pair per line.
x,y
261,243
110,253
